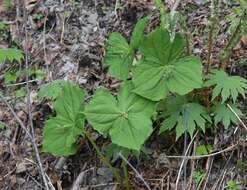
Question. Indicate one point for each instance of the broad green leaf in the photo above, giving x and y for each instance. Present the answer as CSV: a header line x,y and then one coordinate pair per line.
x,y
119,56
162,70
11,55
125,119
226,86
10,77
157,3
20,93
184,116
137,34
113,150
233,185
224,115
51,90
204,149
62,131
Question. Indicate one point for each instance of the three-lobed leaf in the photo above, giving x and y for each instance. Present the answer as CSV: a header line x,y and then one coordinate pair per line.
x,y
62,131
226,86
162,70
125,119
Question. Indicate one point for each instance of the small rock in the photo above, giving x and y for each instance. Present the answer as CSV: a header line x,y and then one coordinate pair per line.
x,y
20,180
105,175
92,19
21,167
200,2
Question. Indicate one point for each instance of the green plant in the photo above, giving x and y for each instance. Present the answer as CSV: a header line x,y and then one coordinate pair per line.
x,y
161,74
163,69
38,16
238,28
228,87
198,177
12,76
126,120
119,54
51,91
2,125
68,123
11,55
4,31
184,116
233,185
204,149
154,70
7,5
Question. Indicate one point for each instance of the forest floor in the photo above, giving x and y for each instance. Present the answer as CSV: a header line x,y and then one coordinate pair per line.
x,y
66,40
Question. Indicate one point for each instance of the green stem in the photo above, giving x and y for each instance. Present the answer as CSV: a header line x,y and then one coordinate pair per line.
x,y
103,159
126,175
227,52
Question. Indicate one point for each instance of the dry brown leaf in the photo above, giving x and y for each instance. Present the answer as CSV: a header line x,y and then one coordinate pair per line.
x,y
30,4
244,41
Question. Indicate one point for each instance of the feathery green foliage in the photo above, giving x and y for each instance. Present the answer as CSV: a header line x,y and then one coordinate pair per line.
x,y
184,116
226,86
224,115
11,55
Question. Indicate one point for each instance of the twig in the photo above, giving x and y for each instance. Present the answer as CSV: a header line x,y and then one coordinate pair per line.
x,y
30,117
115,8
136,172
205,156
16,116
183,161
190,185
77,183
175,6
21,83
240,120
102,184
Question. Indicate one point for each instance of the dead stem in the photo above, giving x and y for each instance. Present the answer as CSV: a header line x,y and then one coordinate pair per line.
x,y
30,116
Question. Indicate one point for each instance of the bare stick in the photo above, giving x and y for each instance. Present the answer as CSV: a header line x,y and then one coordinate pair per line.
x,y
16,116
184,159
79,179
175,6
21,83
205,156
136,172
36,150
240,120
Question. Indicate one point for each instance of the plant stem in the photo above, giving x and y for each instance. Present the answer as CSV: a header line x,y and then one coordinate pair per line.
x,y
227,52
126,175
214,15
210,43
103,158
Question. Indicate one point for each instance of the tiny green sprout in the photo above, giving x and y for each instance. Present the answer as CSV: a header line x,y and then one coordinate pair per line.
x,y
232,185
